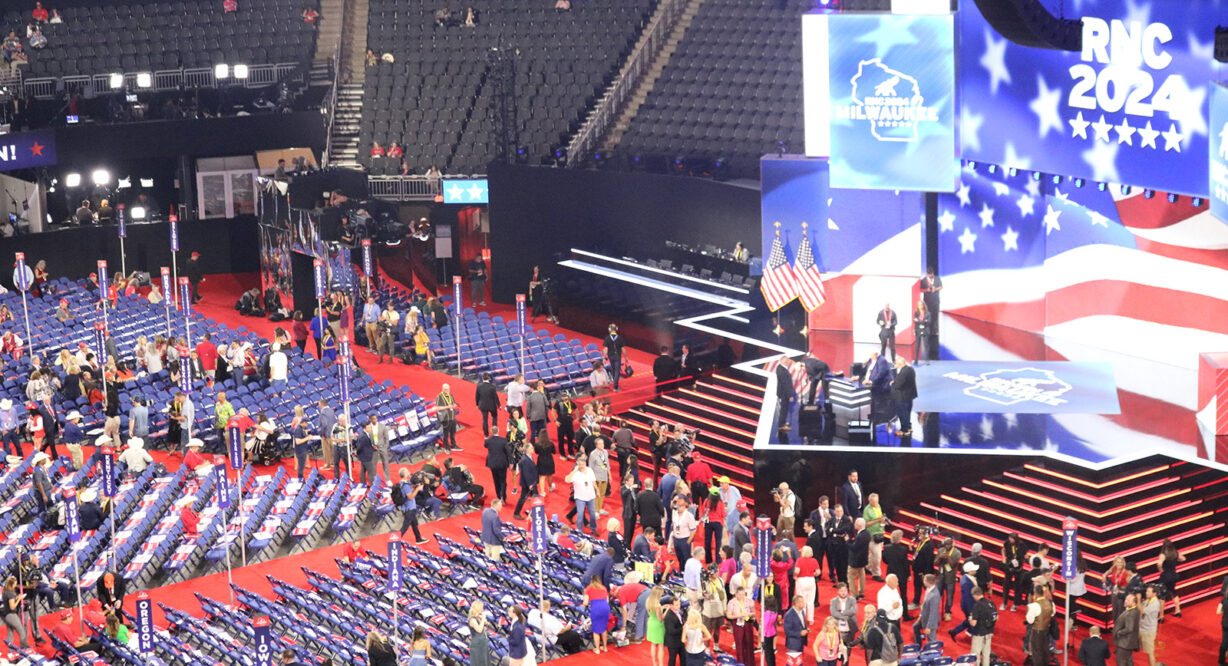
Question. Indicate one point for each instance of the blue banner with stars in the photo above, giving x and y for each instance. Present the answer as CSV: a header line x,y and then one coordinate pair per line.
x,y
466,191
1130,107
892,93
26,150
1219,152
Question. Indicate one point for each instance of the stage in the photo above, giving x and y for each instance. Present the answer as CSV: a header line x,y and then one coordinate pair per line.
x,y
999,388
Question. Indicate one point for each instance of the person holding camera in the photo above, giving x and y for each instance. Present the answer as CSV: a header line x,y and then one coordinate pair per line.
x,y
788,507
407,501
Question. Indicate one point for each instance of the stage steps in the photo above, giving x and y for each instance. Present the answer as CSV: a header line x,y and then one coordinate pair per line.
x,y
724,407
1126,510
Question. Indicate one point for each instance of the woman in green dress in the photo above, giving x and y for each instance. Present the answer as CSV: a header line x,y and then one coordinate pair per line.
x,y
656,627
479,644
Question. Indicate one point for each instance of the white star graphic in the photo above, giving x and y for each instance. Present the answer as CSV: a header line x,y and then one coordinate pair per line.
x,y
1102,158
1045,106
475,192
946,221
1097,219
1027,205
831,224
986,216
1102,129
1140,13
967,241
1060,195
1186,107
1033,188
1013,159
1125,133
1078,126
964,436
455,192
969,128
1172,139
1051,220
986,429
1147,136
1001,189
994,62
962,193
1010,419
1199,51
1010,240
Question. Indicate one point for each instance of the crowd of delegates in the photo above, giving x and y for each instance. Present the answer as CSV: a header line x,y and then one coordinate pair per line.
x,y
849,541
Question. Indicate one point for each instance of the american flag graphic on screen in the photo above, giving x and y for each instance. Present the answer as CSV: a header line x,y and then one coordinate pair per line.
x,y
809,280
779,285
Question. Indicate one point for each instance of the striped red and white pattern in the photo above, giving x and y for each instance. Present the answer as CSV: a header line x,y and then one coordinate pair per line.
x,y
797,371
779,285
809,279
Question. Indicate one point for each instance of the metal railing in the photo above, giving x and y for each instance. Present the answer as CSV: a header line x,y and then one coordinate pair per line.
x,y
258,76
410,188
615,98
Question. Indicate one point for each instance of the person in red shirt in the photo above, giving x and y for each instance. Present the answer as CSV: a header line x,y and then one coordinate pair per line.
x,y
395,151
781,564
699,471
376,149
193,459
66,630
39,14
206,353
310,15
805,571
564,540
94,614
191,522
352,551
243,421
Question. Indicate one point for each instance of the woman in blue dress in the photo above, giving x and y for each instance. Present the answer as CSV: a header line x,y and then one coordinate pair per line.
x,y
420,648
598,599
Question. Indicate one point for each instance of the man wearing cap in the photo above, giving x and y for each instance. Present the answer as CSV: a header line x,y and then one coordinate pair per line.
x,y
72,437
10,428
37,585
983,572
966,601
135,457
111,591
89,514
42,482
194,276
63,312
700,475
194,459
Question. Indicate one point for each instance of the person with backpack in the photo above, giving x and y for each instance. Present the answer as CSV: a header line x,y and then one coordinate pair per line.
x,y
982,621
882,641
404,496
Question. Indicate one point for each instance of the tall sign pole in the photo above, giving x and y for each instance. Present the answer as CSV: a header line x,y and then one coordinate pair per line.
x,y
763,560
520,316
168,295
1070,569
234,447
185,301
264,640
368,266
23,277
108,489
144,623
395,574
456,312
222,492
122,231
174,223
539,539
346,362
72,523
321,285
100,343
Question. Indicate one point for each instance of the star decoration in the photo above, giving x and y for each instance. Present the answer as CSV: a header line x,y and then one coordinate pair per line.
x,y
1102,158
1102,129
1186,107
1147,136
994,62
1045,106
986,216
962,193
475,192
1051,220
455,192
1097,219
1125,133
1001,189
969,128
1010,240
1172,139
1013,159
967,241
37,149
1078,126
1060,195
831,224
987,429
946,221
1027,205
1033,188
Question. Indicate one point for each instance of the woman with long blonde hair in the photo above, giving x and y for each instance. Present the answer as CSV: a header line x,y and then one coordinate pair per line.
x,y
656,627
479,642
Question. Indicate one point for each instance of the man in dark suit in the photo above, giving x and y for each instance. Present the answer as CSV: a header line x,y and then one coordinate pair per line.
x,y
785,393
741,535
528,479
859,558
688,363
1094,650
839,529
486,396
895,556
819,518
673,633
613,345
664,369
498,458
904,390
650,507
852,498
887,321
816,374
878,378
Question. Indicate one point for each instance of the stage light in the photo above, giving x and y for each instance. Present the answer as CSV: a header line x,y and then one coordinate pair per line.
x,y
1147,194
240,71
101,176
117,81
1102,186
1197,201
1057,180
1125,189
1172,198
144,80
720,162
72,180
1012,172
138,212
1078,182
972,165
993,168
221,71
1035,175
124,183
147,182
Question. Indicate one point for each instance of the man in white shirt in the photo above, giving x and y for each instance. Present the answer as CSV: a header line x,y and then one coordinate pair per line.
x,y
554,630
517,390
692,577
889,599
788,503
584,487
683,525
279,366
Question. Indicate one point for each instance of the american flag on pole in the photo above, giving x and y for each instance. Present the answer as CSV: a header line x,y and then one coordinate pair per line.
x,y
779,285
809,280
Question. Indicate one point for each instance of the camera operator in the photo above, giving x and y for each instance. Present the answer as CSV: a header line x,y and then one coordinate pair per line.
x,y
788,507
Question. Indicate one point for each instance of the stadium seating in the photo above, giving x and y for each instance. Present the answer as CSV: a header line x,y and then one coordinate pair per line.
x,y
434,99
150,36
732,89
